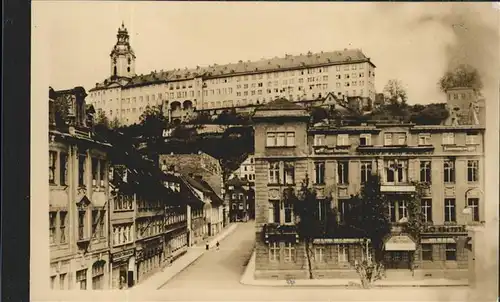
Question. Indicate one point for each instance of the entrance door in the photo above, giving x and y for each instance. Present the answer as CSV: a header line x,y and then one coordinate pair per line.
x,y
397,259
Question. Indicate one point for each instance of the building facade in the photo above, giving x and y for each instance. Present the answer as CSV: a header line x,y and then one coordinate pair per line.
x,y
241,196
78,207
448,159
246,170
124,95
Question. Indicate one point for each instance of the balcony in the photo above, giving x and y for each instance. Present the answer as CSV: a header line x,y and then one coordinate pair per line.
x,y
395,149
277,232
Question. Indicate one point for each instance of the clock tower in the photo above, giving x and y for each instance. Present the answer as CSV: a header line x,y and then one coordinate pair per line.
x,y
122,56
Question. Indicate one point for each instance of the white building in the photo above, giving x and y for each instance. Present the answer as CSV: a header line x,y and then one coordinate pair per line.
x,y
124,95
246,169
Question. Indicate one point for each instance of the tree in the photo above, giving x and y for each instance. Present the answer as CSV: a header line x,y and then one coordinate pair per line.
x,y
394,92
309,226
152,121
432,114
462,76
102,120
115,123
368,213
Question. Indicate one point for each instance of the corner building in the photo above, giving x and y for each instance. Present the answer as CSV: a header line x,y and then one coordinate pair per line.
x,y
337,160
124,95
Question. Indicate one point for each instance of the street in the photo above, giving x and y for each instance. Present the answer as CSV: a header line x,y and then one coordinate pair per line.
x,y
215,276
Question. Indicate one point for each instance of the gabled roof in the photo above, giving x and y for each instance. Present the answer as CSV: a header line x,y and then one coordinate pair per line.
x,y
201,185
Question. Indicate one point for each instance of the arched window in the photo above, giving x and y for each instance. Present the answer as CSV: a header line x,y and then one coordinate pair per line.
x,y
98,275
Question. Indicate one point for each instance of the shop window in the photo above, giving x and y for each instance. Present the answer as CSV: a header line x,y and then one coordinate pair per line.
x,y
289,252
274,251
81,278
98,275
451,252
427,252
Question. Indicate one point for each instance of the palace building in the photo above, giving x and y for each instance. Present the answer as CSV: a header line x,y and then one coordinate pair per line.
x,y
124,95
338,156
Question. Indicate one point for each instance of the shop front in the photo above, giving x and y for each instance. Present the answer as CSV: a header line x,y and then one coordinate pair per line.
x,y
123,269
149,256
399,251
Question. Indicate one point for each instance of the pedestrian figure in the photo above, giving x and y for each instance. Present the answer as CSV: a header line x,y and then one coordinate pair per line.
x,y
217,245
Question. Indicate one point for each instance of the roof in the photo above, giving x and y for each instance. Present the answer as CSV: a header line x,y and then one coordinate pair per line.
x,y
280,104
288,62
199,184
237,182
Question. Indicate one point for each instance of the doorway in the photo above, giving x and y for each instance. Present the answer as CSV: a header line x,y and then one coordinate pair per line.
x,y
397,259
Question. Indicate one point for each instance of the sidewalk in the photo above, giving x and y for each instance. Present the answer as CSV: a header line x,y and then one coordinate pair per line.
x,y
193,253
248,279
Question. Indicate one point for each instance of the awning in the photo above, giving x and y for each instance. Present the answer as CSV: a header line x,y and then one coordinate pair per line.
x,y
400,243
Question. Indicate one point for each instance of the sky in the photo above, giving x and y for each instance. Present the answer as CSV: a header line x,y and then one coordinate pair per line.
x,y
411,42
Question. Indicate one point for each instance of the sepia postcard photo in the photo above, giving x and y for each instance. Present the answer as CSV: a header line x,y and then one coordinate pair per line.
x,y
264,151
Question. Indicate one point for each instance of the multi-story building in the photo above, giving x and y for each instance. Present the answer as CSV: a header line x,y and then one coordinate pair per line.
x,y
148,215
241,196
124,95
338,158
246,170
78,205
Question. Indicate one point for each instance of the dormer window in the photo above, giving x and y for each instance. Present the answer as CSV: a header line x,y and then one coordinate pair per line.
x,y
365,139
424,139
448,138
319,140
343,140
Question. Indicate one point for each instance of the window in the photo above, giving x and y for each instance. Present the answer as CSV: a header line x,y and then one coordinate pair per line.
x,y
472,170
427,252
81,278
387,139
102,172
95,222
403,209
62,226
366,171
95,167
274,251
424,139
319,140
271,139
426,205
473,204
280,139
81,225
451,252
392,211
81,170
472,139
52,167
343,253
290,139
274,172
62,281
396,171
274,212
52,281
319,168
365,139
98,275
319,253
401,138
289,252
63,168
288,212
425,171
449,171
52,227
448,138
344,207
343,140
343,172
323,207
449,210
289,170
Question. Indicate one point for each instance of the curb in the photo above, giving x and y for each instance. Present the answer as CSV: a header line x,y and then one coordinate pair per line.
x,y
247,279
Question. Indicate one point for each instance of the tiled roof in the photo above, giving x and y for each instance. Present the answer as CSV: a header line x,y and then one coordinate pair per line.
x,y
264,65
237,182
280,104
